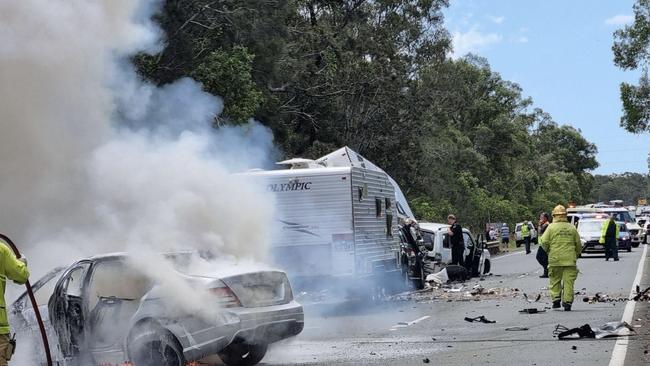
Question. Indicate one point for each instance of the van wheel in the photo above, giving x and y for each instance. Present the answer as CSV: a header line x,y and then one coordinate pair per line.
x,y
487,266
155,347
243,354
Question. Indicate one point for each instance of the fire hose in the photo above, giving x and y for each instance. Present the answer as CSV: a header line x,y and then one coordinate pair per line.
x,y
30,293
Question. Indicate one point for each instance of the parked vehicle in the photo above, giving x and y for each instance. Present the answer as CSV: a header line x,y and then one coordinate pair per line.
x,y
620,214
438,256
102,310
590,230
520,239
644,223
337,221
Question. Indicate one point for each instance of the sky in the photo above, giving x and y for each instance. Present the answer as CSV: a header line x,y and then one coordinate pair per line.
x,y
560,53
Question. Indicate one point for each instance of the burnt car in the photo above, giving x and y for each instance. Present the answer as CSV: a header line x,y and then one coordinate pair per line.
x,y
103,310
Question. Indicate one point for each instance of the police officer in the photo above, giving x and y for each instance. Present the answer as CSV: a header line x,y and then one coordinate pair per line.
x,y
455,232
561,242
15,270
609,237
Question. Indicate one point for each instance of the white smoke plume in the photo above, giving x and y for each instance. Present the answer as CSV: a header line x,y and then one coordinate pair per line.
x,y
95,160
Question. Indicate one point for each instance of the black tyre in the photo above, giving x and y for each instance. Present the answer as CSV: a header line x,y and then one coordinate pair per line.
x,y
243,354
153,346
487,266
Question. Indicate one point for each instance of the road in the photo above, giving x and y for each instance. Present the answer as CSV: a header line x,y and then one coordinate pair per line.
x,y
412,332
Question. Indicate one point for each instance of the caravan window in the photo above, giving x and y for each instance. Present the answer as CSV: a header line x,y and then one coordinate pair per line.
x,y
388,203
389,225
378,206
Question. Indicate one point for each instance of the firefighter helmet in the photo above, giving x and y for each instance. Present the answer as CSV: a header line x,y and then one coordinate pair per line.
x,y
559,210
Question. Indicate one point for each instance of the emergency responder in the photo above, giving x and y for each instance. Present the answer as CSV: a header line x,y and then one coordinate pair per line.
x,y
525,234
455,232
561,242
15,270
541,256
609,236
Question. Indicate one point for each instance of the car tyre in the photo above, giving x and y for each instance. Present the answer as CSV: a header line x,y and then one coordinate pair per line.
x,y
155,347
243,354
487,266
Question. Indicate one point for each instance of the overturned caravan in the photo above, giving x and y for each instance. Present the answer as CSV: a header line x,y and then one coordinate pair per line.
x,y
104,311
336,220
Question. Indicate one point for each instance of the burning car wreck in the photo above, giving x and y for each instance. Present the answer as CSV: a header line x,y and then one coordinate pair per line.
x,y
105,310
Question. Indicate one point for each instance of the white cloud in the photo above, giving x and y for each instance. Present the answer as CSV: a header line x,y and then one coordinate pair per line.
x,y
496,19
620,19
473,41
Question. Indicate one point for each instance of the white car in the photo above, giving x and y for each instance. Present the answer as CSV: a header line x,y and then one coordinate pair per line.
x,y
520,239
644,224
102,311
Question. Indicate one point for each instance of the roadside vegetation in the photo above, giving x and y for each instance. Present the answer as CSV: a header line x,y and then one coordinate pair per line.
x,y
377,76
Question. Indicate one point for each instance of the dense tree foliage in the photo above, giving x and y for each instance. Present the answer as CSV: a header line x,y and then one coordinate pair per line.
x,y
375,75
632,51
629,187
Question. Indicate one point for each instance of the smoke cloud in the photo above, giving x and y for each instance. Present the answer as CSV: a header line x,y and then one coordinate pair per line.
x,y
95,160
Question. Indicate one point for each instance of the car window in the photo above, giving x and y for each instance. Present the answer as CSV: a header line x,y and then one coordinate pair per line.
x,y
43,293
445,241
428,238
589,226
116,279
75,280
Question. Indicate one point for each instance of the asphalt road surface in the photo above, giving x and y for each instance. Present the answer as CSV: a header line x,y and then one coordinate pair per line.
x,y
413,331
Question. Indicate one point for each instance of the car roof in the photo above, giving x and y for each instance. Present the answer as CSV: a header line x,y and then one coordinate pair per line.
x,y
432,226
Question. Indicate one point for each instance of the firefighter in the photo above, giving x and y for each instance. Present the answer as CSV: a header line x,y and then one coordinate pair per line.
x,y
609,237
541,256
15,270
561,242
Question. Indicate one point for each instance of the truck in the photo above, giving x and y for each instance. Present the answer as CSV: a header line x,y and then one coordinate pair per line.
x,y
337,221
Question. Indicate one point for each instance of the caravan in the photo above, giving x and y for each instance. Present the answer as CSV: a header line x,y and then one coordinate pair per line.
x,y
337,219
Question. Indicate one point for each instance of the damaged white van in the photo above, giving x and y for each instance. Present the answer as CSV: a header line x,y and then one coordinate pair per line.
x,y
103,310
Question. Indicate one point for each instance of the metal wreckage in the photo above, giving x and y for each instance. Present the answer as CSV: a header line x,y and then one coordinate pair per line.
x,y
104,312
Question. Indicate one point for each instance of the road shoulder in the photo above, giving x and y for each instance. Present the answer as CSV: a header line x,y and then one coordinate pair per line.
x,y
638,352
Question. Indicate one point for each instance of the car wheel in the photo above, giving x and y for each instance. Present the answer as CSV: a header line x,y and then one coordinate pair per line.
x,y
487,266
155,347
243,354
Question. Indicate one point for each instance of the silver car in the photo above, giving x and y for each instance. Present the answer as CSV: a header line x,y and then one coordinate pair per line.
x,y
93,318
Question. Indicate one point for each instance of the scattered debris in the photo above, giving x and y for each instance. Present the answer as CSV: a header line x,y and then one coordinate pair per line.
x,y
574,347
439,278
426,360
480,319
539,296
611,329
516,329
531,311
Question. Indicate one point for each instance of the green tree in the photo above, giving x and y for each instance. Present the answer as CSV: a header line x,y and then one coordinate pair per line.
x,y
631,51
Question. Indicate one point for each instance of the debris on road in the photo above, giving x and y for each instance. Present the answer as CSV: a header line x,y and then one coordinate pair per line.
x,y
439,278
539,296
611,329
480,319
426,360
531,311
517,329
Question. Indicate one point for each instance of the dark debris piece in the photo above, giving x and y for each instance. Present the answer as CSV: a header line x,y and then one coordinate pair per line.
x,y
480,319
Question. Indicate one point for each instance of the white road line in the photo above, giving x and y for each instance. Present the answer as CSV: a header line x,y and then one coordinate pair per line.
x,y
620,349
508,255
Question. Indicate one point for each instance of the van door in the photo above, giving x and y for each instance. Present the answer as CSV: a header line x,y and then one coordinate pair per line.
x,y
67,308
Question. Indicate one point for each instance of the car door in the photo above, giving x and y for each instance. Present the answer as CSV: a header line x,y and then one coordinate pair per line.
x,y
67,308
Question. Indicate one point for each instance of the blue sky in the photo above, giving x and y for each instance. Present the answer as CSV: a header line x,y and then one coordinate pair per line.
x,y
560,54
